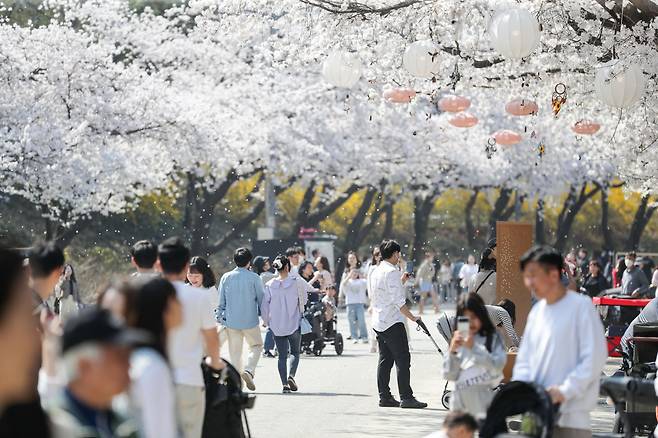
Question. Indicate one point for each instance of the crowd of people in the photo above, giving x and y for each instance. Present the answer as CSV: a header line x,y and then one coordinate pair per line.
x,y
131,365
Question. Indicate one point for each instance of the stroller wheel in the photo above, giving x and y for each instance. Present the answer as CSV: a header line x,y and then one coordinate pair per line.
x,y
445,399
338,344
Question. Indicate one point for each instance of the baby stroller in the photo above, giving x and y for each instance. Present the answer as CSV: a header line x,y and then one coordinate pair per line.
x,y
641,367
517,398
225,404
446,327
323,332
628,392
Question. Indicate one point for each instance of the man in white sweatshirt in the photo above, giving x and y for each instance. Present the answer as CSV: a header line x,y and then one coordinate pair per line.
x,y
563,347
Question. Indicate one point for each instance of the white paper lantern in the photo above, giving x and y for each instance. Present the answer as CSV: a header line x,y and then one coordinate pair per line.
x,y
514,33
619,88
421,59
342,69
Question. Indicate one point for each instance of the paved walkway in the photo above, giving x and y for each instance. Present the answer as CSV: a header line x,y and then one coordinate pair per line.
x,y
338,395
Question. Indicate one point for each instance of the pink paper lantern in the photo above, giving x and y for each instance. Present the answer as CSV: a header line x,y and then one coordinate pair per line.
x,y
399,95
454,104
586,127
505,137
463,120
521,107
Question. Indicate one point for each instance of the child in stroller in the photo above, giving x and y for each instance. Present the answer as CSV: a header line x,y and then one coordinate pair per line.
x,y
324,322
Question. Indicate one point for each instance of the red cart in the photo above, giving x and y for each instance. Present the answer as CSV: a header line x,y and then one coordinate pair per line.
x,y
616,322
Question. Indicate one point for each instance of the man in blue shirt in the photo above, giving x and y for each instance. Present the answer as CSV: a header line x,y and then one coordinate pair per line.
x,y
240,297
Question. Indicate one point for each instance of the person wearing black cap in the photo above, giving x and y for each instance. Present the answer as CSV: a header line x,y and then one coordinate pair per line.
x,y
95,357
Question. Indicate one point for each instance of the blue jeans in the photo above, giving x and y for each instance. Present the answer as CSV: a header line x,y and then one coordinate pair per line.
x,y
357,318
291,343
268,345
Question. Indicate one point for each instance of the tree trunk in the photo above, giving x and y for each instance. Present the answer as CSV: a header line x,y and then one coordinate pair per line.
x,y
358,229
540,226
310,217
389,218
200,204
423,207
468,213
502,210
242,224
605,221
642,217
574,202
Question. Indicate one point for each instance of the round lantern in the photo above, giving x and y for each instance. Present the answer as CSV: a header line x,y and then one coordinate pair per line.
x,y
463,120
619,88
506,137
586,127
399,95
421,59
454,104
521,107
514,33
342,69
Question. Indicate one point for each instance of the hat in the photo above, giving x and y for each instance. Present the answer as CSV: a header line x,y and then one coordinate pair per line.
x,y
98,326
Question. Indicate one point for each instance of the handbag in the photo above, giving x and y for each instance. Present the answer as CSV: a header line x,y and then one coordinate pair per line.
x,y
305,326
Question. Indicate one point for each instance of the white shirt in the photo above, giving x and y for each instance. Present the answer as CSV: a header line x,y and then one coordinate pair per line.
x,y
564,345
355,291
387,296
213,296
152,394
466,273
186,342
654,279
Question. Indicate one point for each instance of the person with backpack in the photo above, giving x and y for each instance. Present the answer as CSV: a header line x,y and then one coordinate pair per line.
x,y
476,361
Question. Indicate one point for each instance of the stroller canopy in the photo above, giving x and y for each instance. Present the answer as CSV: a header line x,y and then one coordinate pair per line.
x,y
518,398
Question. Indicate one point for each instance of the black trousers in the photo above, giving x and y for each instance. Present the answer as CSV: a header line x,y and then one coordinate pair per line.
x,y
394,348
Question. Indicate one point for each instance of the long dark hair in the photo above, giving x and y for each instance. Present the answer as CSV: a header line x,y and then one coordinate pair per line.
x,y
150,303
487,263
13,279
473,302
325,263
302,267
199,265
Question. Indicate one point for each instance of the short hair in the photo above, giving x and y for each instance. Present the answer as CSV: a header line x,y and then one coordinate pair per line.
x,y
145,254
199,265
456,419
631,255
388,248
546,256
45,257
174,255
13,280
242,257
292,251
315,252
300,250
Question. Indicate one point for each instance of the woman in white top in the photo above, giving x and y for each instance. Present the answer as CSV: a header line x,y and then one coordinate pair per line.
x,y
324,271
200,275
353,287
376,258
156,310
467,272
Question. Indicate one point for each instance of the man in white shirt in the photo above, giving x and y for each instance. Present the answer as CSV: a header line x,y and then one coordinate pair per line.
x,y
563,347
186,343
387,295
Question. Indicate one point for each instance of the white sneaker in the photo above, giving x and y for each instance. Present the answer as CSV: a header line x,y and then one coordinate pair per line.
x,y
364,341
356,341
248,380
